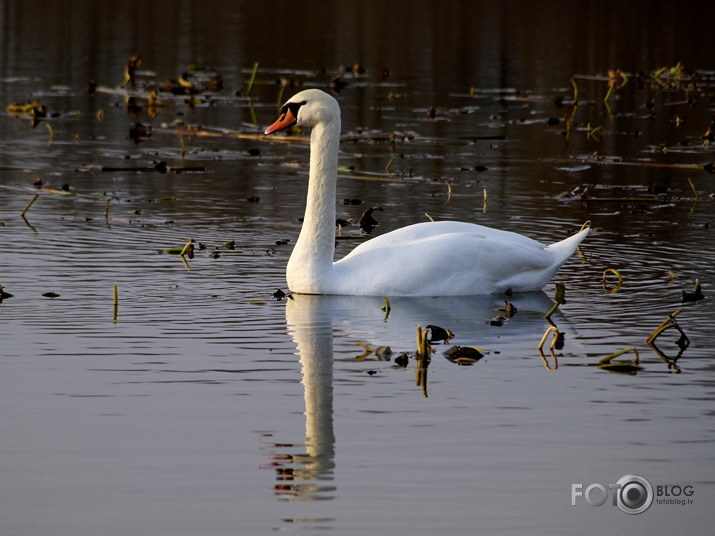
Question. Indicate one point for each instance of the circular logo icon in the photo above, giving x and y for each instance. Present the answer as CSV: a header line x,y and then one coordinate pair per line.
x,y
635,494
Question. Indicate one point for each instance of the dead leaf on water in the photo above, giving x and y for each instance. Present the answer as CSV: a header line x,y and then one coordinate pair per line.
x,y
437,334
464,355
4,295
694,296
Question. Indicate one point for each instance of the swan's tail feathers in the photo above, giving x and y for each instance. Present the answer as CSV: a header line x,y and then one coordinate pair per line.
x,y
564,249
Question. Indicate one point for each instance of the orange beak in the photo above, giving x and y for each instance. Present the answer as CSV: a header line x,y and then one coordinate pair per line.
x,y
287,119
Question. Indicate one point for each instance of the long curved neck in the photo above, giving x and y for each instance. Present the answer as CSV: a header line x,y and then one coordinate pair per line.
x,y
312,257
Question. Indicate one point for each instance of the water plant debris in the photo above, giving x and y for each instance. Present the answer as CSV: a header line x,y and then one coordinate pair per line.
x,y
559,298
631,368
464,355
615,272
556,337
4,295
437,334
694,296
669,323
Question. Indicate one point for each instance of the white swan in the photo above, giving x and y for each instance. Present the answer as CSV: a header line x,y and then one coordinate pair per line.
x,y
443,258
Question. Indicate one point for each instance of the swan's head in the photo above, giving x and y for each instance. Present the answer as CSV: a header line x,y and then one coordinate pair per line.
x,y
307,108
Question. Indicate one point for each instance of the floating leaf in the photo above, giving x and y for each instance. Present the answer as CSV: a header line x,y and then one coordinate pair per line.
x,y
139,131
694,296
279,294
497,321
3,294
384,353
367,223
437,334
464,355
402,360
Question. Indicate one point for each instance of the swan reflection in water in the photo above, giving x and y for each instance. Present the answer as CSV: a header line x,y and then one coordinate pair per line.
x,y
322,325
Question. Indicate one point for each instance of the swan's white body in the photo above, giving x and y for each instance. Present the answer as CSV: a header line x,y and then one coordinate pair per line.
x,y
443,258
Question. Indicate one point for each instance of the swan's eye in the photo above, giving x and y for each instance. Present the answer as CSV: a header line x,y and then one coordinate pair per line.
x,y
293,107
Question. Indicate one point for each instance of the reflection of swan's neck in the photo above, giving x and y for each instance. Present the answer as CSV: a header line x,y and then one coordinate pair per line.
x,y
313,254
318,383
314,340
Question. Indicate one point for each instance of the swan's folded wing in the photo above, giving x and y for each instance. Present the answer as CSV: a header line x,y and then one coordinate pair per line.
x,y
411,262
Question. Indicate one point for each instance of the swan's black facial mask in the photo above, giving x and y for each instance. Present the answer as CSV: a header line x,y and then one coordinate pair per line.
x,y
288,117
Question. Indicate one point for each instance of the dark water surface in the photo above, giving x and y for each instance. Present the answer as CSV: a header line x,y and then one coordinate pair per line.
x,y
202,405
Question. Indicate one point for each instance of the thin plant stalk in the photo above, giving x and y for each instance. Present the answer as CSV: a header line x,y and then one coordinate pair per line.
x,y
29,205
252,79
116,304
636,360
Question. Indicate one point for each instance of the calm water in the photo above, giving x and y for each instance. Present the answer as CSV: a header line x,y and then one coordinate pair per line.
x,y
202,405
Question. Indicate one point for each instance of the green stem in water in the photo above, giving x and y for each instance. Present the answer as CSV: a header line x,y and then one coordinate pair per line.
x,y
29,205
252,79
